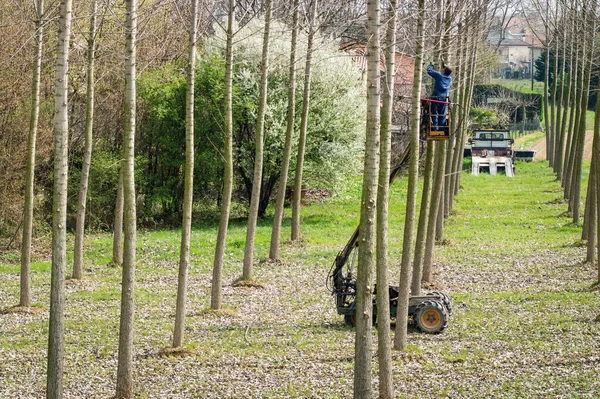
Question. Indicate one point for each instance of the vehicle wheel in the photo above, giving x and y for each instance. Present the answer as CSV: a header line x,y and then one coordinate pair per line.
x,y
431,317
445,301
350,320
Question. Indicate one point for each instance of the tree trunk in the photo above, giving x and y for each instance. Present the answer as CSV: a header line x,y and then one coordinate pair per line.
x,y
574,103
553,104
384,352
87,156
576,119
25,284
125,358
188,196
118,223
567,103
401,336
546,96
459,115
259,154
592,206
576,174
217,276
303,127
366,249
559,142
287,148
436,195
54,388
415,287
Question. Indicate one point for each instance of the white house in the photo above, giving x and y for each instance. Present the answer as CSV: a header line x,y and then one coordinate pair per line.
x,y
517,50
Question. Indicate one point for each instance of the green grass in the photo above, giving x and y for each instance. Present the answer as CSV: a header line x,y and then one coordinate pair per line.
x,y
520,85
524,322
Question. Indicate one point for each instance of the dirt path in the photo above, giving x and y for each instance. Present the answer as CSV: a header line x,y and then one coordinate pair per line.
x,y
540,147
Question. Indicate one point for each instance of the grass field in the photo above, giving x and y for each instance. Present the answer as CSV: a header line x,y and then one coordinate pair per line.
x,y
521,85
524,325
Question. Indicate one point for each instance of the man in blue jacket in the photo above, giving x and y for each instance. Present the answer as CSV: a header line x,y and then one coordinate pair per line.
x,y
441,85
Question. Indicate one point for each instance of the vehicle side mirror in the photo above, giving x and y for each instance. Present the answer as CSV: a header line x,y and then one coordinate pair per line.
x,y
512,141
470,141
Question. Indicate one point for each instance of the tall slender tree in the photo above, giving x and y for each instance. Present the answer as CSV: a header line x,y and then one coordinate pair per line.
x,y
297,194
259,152
415,287
25,284
188,196
287,148
589,48
125,359
216,292
87,155
401,337
384,353
54,387
366,249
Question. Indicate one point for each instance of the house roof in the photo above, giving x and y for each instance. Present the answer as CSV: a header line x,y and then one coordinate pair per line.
x,y
511,42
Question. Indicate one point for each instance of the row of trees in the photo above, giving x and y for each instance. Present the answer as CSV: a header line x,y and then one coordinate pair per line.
x,y
303,15
452,31
570,32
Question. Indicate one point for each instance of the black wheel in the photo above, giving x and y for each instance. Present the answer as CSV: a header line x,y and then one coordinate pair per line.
x,y
350,320
445,300
431,317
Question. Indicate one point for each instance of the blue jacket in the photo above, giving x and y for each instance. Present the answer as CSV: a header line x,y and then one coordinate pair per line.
x,y
441,82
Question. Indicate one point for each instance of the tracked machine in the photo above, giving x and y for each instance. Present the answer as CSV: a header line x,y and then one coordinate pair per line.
x,y
430,313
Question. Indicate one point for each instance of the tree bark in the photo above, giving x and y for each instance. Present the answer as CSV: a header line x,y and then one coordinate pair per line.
x,y
188,196
117,258
576,174
287,149
415,287
384,352
559,141
296,197
217,275
546,96
364,290
401,336
553,103
125,382
87,156
25,283
574,103
54,388
259,154
436,195
567,103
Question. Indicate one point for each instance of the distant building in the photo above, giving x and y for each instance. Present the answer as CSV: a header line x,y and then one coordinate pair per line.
x,y
516,44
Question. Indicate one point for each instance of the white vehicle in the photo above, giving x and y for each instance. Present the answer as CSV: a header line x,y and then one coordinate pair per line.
x,y
492,150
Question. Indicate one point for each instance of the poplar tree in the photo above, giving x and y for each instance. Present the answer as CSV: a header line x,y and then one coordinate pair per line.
x,y
297,193
400,339
25,283
125,358
259,151
287,148
366,249
188,196
56,340
217,274
87,155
